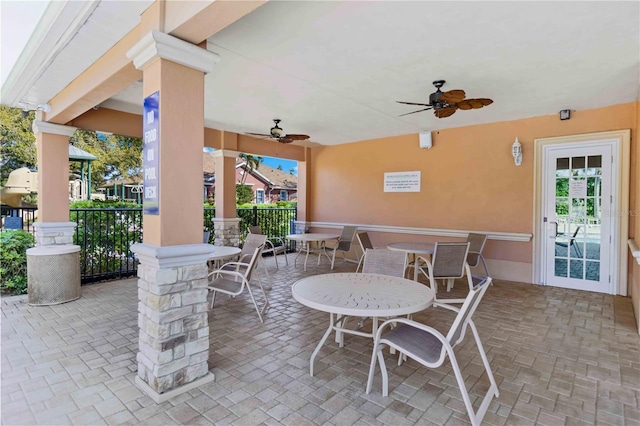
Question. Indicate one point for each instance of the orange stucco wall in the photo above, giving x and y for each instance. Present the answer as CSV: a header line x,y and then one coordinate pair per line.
x,y
468,178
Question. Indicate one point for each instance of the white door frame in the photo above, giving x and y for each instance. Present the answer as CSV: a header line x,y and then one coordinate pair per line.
x,y
620,192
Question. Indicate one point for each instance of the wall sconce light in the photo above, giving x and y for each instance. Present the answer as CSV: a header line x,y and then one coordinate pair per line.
x,y
516,151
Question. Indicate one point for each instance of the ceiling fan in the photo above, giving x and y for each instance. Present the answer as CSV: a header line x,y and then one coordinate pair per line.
x,y
278,134
445,104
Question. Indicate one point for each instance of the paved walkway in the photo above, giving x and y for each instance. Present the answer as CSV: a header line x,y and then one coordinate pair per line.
x,y
559,357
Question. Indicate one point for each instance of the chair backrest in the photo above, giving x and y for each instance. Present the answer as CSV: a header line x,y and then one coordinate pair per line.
x,y
255,230
365,241
456,333
348,232
255,255
250,244
449,260
384,262
476,244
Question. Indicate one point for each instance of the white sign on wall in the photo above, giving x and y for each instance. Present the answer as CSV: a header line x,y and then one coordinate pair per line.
x,y
402,182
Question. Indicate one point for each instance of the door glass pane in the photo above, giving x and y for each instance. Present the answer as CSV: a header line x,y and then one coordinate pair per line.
x,y
593,271
578,209
561,268
576,269
562,167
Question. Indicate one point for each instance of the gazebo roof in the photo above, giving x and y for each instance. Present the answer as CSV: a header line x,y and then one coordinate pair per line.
x,y
79,154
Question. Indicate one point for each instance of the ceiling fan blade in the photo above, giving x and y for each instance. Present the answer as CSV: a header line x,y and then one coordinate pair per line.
x,y
452,96
420,110
285,139
474,103
412,103
258,134
297,137
445,112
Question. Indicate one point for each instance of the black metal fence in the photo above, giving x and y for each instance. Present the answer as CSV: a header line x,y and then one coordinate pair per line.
x,y
106,235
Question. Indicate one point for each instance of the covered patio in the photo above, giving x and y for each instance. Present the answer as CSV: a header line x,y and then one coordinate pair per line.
x,y
185,76
564,357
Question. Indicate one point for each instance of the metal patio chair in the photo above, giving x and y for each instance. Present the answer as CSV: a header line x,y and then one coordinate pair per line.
x,y
280,245
344,243
449,262
233,277
431,348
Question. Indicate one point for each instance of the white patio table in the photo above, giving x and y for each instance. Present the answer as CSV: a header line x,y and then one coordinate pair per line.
x,y
413,249
220,253
307,239
360,295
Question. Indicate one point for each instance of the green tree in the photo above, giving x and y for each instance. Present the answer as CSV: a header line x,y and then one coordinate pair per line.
x,y
17,141
119,157
244,194
251,163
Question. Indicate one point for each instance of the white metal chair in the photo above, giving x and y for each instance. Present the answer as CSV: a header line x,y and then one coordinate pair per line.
x,y
250,243
233,277
280,246
365,243
385,262
431,348
449,262
344,243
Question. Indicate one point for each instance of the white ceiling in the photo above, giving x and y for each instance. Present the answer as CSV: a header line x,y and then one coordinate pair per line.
x,y
334,70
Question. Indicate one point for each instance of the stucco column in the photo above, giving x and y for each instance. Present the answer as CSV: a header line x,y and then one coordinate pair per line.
x,y
172,308
303,187
226,225
53,226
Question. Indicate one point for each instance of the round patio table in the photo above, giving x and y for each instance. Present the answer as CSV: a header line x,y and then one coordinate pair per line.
x,y
361,295
309,238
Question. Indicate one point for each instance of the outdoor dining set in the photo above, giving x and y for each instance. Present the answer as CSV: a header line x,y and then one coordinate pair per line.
x,y
385,290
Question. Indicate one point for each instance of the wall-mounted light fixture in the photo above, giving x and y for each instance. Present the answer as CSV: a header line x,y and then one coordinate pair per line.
x,y
516,151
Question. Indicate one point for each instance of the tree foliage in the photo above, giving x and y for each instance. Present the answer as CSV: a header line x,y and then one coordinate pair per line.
x,y
13,260
244,194
119,157
251,163
17,141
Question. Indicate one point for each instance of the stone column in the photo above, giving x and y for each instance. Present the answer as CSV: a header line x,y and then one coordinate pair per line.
x,y
172,308
172,316
227,231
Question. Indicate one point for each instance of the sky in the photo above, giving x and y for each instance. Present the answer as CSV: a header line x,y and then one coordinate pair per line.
x,y
287,165
17,21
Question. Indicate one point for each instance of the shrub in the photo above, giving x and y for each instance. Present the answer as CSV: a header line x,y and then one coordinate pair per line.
x,y
13,260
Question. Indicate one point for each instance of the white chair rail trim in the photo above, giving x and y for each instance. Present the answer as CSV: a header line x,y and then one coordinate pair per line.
x,y
635,250
436,232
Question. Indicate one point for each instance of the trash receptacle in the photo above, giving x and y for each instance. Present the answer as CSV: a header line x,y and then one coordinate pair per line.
x,y
53,274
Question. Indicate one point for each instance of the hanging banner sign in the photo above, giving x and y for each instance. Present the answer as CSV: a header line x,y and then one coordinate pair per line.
x,y
151,154
402,182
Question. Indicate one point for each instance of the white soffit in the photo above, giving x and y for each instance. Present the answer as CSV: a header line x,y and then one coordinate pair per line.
x,y
84,31
334,70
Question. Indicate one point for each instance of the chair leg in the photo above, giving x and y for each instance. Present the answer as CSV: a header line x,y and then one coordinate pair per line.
x,y
333,258
255,303
577,249
213,299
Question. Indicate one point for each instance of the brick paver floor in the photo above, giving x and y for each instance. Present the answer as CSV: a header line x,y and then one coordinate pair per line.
x,y
559,357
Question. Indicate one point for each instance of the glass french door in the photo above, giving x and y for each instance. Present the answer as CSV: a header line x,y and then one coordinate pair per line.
x,y
577,214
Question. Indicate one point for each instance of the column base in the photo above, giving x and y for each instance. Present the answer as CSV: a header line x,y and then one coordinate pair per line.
x,y
159,398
